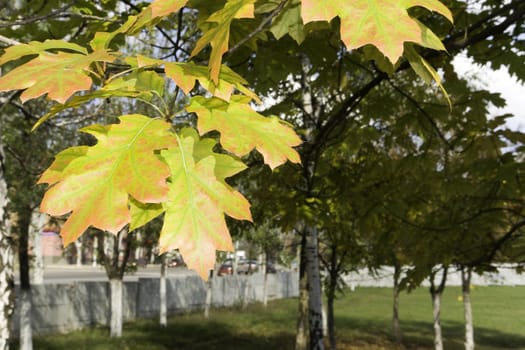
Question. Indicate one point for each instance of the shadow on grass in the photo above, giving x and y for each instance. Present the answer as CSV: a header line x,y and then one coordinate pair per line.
x,y
419,335
208,335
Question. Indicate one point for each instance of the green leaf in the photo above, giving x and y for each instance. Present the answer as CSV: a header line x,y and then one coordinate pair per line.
x,y
289,22
198,199
242,129
186,74
137,84
134,24
94,183
142,213
218,36
424,69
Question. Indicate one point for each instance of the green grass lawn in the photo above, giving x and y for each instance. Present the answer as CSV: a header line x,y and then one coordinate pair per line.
x,y
363,321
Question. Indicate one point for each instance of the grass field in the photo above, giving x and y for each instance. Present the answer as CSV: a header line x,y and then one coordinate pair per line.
x,y
362,321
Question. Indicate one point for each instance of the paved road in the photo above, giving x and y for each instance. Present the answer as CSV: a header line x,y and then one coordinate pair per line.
x,y
72,273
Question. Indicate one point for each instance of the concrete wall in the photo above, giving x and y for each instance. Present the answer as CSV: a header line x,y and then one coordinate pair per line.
x,y
65,307
506,275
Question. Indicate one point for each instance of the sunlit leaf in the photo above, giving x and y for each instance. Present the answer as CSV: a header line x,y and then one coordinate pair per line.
x,y
94,183
186,74
382,23
242,129
59,75
198,199
219,35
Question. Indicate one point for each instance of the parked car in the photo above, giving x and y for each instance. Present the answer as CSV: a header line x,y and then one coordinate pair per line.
x,y
247,266
270,267
176,262
225,269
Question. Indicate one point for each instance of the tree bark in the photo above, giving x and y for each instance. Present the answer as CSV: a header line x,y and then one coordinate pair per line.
x,y
7,275
78,246
26,331
95,252
207,306
330,296
315,302
436,292
23,223
111,249
466,276
265,285
38,222
163,293
115,286
396,326
301,336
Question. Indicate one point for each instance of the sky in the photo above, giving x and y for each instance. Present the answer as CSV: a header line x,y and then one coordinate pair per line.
x,y
497,81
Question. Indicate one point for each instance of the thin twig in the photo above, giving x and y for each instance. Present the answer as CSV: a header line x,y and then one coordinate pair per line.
x,y
260,28
9,41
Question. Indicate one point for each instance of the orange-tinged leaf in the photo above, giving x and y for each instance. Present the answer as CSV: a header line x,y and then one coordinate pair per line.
x,y
198,199
242,129
219,35
382,23
148,16
163,8
94,183
58,75
186,74
36,47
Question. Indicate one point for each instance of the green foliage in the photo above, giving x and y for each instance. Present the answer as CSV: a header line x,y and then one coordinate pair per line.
x,y
351,139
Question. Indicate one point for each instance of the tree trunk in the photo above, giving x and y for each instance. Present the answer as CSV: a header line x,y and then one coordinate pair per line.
x,y
26,337
436,292
7,277
115,323
315,300
95,251
163,294
38,222
301,337
111,248
466,275
265,285
436,309
138,250
207,306
396,327
23,223
78,246
330,296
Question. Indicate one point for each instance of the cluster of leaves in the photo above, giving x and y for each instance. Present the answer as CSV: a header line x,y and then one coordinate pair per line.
x,y
145,166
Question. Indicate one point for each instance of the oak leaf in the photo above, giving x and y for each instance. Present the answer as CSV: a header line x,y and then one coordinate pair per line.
x,y
59,75
198,198
218,36
243,129
382,23
94,183
186,74
147,17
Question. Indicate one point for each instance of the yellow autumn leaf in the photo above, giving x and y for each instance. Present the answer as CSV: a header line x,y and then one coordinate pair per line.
x,y
382,23
94,183
219,35
243,129
197,201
